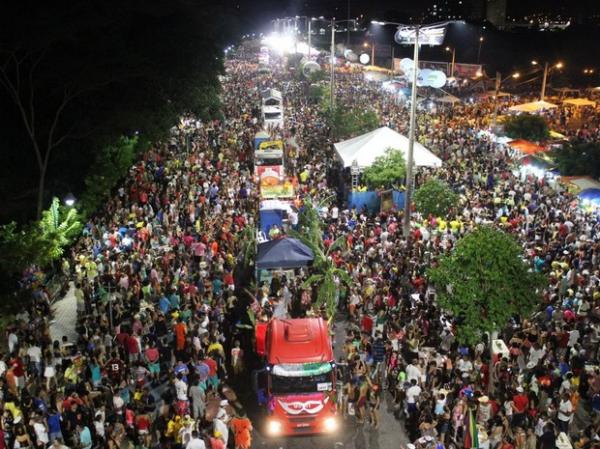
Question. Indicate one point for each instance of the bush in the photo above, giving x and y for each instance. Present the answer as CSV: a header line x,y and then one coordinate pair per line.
x,y
579,159
526,126
435,198
387,170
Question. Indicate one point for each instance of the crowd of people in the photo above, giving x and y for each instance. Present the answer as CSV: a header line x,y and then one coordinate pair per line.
x,y
161,344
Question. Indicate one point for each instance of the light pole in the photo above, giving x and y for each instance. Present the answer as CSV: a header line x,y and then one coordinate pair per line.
x,y
333,23
481,39
499,82
453,50
547,69
416,35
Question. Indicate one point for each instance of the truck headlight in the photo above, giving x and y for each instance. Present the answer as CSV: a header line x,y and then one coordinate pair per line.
x,y
330,424
273,427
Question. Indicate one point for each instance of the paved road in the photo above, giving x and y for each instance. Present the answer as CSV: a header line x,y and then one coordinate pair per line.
x,y
64,320
390,434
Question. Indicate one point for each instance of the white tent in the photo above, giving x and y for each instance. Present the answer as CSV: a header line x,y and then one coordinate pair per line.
x,y
364,149
447,99
535,106
579,102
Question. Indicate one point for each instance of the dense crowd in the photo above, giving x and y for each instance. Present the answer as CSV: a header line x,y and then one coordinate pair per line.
x,y
161,344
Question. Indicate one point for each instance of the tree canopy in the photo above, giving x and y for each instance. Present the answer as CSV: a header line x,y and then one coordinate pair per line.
x,y
579,159
526,126
484,282
387,170
76,76
435,198
346,123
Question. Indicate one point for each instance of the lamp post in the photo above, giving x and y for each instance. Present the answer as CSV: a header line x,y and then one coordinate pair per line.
x,y
547,69
333,23
416,35
481,39
453,50
499,82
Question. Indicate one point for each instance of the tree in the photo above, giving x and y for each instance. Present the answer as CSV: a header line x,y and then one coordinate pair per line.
x,y
387,170
526,126
483,282
58,227
347,123
325,274
579,159
435,198
75,77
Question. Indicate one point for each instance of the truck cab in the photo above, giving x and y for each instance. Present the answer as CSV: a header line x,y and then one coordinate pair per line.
x,y
298,384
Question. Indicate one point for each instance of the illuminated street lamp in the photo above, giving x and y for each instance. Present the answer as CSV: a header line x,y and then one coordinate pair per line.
x,y
453,50
416,35
69,200
547,69
481,39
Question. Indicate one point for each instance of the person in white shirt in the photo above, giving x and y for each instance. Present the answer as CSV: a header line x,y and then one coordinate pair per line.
x,y
412,394
181,388
413,372
195,442
565,413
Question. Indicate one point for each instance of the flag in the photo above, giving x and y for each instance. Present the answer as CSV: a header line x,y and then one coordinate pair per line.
x,y
471,434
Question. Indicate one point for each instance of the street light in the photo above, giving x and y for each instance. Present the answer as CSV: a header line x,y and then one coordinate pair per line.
x,y
534,62
516,75
333,23
547,68
453,50
481,39
414,34
69,200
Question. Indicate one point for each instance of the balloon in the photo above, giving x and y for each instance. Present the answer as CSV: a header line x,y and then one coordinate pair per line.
x,y
406,64
364,58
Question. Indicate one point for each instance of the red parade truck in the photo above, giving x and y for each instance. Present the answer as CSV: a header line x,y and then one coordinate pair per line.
x,y
297,384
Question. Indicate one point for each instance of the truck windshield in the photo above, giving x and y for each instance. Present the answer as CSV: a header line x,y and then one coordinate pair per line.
x,y
268,161
303,384
272,115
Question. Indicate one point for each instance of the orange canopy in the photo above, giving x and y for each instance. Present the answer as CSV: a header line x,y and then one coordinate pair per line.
x,y
526,147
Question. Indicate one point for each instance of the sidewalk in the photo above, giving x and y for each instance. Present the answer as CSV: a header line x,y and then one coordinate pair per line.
x,y
64,320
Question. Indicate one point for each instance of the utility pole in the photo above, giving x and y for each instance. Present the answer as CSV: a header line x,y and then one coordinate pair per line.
x,y
309,35
543,94
332,80
348,28
411,140
497,92
392,59
372,52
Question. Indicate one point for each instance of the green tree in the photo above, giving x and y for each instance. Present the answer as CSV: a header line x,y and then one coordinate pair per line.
x,y
387,170
579,159
111,165
484,281
344,123
526,126
58,227
324,271
435,198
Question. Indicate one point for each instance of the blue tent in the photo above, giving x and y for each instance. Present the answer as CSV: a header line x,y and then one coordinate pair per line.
x,y
590,197
283,253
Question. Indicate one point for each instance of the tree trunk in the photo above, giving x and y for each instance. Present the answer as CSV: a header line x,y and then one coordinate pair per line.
x,y
40,193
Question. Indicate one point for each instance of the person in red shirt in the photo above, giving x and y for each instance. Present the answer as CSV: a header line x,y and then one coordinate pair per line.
x,y
115,367
366,324
180,333
133,348
18,370
520,404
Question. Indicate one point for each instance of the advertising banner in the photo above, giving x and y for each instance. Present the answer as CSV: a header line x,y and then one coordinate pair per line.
x,y
467,70
271,144
434,65
273,183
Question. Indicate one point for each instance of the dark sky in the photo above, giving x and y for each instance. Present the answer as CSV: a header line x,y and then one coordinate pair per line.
x,y
256,13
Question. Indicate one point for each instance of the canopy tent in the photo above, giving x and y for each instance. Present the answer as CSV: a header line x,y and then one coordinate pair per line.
x,y
590,197
364,149
526,147
535,106
283,253
579,102
581,182
492,94
566,90
558,136
448,99
537,162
